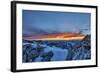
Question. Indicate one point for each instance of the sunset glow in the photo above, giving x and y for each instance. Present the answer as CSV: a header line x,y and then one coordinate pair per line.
x,y
60,36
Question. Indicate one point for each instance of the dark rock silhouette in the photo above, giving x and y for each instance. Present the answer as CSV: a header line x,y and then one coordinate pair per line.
x,y
86,42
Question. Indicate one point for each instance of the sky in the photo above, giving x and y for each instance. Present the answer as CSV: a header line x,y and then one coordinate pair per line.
x,y
49,22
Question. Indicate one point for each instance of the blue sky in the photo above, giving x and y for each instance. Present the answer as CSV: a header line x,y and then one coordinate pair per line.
x,y
48,22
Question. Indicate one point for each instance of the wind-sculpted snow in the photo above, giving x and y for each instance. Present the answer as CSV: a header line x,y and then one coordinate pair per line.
x,y
42,51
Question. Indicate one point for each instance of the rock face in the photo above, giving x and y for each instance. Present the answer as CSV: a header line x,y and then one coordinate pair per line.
x,y
83,50
86,42
41,51
47,56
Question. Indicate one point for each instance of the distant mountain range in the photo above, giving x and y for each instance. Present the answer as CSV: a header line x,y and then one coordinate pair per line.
x,y
56,36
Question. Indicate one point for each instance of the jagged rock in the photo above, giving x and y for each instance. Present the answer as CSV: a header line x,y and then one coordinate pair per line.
x,y
86,42
47,56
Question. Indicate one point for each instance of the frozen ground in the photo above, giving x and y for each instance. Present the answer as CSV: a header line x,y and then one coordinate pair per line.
x,y
41,51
